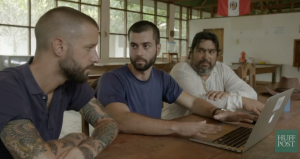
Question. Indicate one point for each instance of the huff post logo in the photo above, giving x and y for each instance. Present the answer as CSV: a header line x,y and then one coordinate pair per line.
x,y
286,141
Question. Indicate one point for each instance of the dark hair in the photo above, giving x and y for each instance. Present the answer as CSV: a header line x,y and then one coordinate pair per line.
x,y
142,26
204,35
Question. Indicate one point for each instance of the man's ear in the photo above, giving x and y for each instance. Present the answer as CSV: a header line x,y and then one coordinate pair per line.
x,y
158,48
59,46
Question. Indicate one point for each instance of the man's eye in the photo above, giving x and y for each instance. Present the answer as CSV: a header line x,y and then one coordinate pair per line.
x,y
146,46
133,46
212,51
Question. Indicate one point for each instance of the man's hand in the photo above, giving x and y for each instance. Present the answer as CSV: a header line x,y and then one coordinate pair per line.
x,y
215,95
199,129
252,105
230,116
74,153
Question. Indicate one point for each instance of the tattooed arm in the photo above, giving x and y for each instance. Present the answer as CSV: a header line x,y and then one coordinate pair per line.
x,y
23,141
105,131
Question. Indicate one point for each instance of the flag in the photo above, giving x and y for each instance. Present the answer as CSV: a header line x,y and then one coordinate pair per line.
x,y
233,7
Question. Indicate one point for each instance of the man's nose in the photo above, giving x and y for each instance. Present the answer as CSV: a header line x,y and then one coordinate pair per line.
x,y
95,57
140,51
206,55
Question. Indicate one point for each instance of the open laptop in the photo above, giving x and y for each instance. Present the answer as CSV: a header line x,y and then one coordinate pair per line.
x,y
239,138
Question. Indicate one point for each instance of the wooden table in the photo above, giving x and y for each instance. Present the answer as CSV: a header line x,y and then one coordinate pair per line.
x,y
279,66
261,69
128,146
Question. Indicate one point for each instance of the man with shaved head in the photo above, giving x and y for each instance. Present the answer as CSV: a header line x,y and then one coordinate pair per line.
x,y
35,95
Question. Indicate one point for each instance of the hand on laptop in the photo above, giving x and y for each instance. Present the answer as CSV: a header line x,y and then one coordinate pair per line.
x,y
195,129
252,105
230,116
215,95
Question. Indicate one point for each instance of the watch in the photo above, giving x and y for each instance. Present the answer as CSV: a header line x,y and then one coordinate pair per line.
x,y
214,112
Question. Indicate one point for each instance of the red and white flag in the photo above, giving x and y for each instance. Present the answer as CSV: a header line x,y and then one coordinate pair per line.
x,y
233,7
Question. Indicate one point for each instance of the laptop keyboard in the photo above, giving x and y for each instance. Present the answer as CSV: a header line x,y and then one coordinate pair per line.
x,y
235,138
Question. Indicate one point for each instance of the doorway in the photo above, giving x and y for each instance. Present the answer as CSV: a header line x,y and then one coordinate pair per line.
x,y
220,35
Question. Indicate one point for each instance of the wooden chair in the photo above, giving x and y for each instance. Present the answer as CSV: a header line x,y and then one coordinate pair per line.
x,y
245,70
84,123
168,67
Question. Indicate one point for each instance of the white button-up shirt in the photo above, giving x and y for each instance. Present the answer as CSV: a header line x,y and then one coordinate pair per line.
x,y
222,78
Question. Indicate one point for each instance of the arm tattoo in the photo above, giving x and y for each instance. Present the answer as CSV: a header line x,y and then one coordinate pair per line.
x,y
94,101
87,153
22,139
67,143
53,147
106,133
105,130
90,114
73,136
102,136
77,137
91,143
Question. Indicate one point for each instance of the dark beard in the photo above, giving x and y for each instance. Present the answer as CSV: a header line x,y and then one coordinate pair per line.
x,y
71,70
143,67
200,70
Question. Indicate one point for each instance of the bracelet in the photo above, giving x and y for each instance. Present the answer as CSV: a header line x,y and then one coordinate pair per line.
x,y
215,110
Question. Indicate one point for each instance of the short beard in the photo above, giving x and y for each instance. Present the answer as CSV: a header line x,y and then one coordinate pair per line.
x,y
144,67
71,70
200,70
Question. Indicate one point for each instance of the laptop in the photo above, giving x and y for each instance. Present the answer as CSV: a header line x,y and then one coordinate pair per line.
x,y
239,138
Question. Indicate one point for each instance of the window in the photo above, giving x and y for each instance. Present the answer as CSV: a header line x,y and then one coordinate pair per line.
x,y
195,14
124,13
19,17
180,29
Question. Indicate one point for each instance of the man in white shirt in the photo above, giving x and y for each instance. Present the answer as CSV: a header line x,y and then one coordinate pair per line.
x,y
205,77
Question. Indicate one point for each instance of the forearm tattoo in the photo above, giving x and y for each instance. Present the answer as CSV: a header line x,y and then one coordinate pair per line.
x,y
53,147
106,133
91,115
22,139
87,153
24,142
102,136
105,130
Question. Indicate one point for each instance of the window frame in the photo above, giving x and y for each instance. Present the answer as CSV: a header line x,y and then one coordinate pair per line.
x,y
126,11
180,39
30,27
